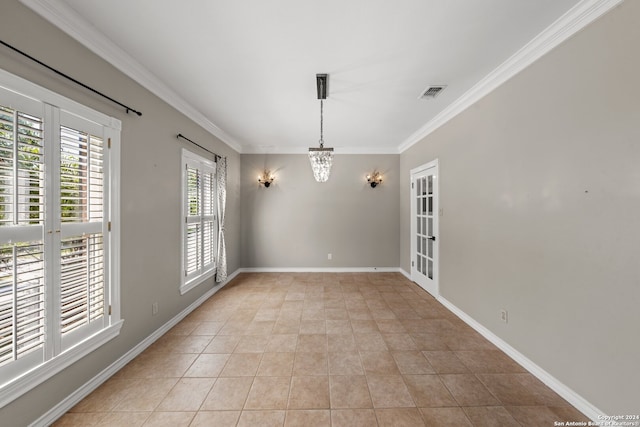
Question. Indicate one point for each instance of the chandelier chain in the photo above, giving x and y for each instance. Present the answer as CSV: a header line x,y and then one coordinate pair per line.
x,y
321,125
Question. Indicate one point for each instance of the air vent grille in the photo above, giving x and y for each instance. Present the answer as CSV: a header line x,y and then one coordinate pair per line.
x,y
432,91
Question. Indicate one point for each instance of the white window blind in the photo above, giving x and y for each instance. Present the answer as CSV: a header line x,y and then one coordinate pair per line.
x,y
200,227
56,275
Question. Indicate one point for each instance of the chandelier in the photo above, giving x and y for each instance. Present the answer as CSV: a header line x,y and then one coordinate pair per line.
x,y
321,158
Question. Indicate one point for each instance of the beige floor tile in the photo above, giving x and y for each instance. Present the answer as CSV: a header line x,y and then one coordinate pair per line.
x,y
276,364
405,417
353,418
145,394
491,416
341,343
228,394
315,312
252,344
390,326
261,418
123,419
445,362
357,308
169,419
510,389
364,326
307,363
207,365
339,327
445,417
222,344
533,416
309,392
260,327
489,361
234,328
345,363
241,365
282,343
286,326
268,393
370,342
187,395
330,347
349,392
399,342
429,342
412,362
308,418
313,327
104,398
336,314
389,391
428,391
71,419
215,418
468,390
316,343
379,363
208,328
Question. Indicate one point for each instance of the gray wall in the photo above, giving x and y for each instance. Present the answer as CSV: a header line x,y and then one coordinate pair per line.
x,y
297,221
540,186
150,196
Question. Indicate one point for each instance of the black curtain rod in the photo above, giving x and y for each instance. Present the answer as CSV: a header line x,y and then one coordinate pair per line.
x,y
195,143
60,73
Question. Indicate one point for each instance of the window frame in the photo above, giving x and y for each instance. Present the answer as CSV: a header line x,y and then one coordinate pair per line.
x,y
191,159
55,105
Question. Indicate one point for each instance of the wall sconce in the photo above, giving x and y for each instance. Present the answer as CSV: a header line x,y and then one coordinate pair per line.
x,y
266,178
374,179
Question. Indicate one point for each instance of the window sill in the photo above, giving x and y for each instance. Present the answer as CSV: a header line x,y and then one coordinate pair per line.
x,y
186,287
22,384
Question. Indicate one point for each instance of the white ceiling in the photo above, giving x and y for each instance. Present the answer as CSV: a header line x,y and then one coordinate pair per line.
x,y
246,69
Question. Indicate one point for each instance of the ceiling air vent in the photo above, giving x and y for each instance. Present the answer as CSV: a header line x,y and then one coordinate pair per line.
x,y
431,92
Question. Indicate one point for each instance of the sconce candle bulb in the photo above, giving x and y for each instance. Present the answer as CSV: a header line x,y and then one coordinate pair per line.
x,y
266,178
374,179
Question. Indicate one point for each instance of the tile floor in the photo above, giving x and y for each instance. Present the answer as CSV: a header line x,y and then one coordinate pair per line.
x,y
352,349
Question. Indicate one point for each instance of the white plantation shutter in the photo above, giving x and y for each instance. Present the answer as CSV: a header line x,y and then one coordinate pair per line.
x,y
199,209
59,299
82,217
22,291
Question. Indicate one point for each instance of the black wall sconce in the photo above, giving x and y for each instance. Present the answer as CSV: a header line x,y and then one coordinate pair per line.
x,y
374,179
266,178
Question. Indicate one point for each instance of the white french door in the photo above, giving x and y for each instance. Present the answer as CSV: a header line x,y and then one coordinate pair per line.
x,y
424,227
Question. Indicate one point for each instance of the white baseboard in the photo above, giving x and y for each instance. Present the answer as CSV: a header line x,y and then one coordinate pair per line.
x,y
320,270
74,398
553,383
405,274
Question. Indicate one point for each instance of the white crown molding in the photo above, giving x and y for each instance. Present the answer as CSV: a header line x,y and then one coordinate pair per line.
x,y
578,17
65,18
305,150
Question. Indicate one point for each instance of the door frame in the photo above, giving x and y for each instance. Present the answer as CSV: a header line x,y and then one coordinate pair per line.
x,y
434,164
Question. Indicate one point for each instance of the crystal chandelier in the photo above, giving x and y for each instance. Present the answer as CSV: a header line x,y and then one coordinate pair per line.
x,y
321,158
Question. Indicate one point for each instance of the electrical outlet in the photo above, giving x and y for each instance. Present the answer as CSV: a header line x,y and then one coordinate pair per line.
x,y
154,308
504,315
329,257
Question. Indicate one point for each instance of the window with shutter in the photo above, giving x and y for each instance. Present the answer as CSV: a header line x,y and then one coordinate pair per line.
x,y
57,281
199,212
